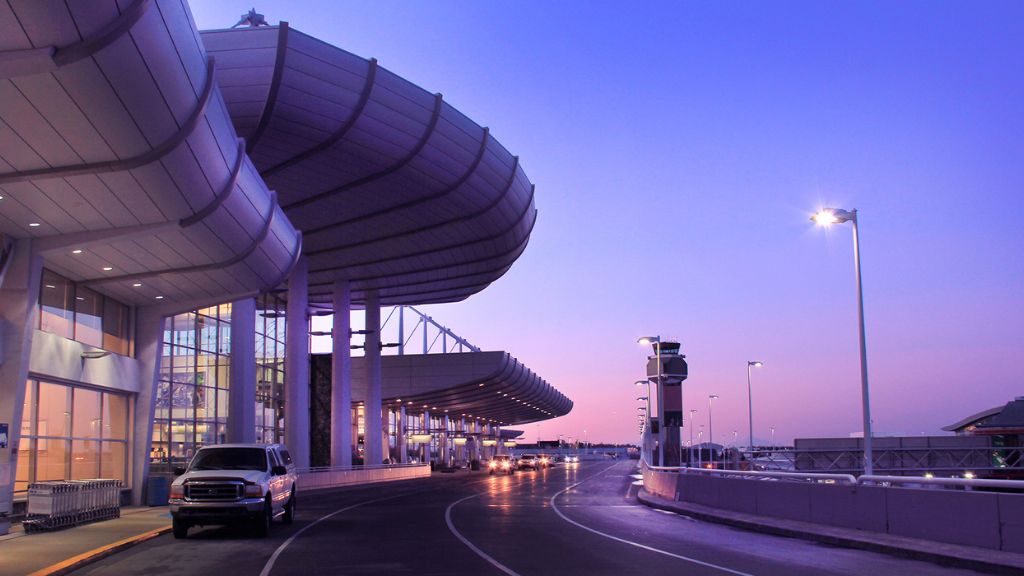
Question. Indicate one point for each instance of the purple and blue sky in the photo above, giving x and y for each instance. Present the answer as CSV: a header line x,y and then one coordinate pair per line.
x,y
678,149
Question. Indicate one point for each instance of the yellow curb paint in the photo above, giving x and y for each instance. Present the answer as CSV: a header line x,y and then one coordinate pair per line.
x,y
76,562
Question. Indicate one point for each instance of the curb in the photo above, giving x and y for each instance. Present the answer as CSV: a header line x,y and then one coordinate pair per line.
x,y
821,534
86,558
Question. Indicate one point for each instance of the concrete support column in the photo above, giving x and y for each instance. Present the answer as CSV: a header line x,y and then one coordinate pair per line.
x,y
242,397
19,306
425,457
403,456
341,377
500,445
149,331
296,412
374,425
445,458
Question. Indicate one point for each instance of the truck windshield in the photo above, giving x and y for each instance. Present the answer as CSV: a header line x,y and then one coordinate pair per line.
x,y
230,459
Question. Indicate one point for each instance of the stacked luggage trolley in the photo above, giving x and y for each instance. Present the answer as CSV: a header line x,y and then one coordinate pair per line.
x,y
61,504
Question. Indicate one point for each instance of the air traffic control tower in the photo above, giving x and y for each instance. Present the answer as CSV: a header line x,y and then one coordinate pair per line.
x,y
667,369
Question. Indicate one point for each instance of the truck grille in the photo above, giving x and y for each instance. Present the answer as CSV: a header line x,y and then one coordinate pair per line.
x,y
213,491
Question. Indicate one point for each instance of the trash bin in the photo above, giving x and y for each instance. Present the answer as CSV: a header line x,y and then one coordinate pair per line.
x,y
158,490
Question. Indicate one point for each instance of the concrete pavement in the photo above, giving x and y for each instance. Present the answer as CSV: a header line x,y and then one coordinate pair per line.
x,y
62,551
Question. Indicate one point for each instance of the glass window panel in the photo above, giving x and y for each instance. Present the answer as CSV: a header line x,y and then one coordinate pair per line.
x,y
88,317
207,334
22,475
206,433
222,404
223,374
204,402
224,345
53,410
183,365
163,400
55,300
115,326
115,416
182,401
51,459
225,311
85,416
85,459
113,457
206,369
26,410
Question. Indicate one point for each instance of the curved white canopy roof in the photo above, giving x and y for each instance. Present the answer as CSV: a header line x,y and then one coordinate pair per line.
x,y
392,188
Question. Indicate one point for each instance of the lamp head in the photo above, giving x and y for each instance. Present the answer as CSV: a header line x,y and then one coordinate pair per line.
x,y
829,216
712,396
648,340
756,363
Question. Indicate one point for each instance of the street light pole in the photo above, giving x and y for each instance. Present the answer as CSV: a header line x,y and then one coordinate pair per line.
x,y
711,432
750,401
656,340
690,460
826,217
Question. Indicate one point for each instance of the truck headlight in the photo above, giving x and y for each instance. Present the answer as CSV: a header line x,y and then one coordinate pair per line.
x,y
253,491
493,464
177,491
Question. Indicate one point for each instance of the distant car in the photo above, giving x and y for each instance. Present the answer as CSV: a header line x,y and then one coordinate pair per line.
x,y
501,463
531,461
572,459
546,461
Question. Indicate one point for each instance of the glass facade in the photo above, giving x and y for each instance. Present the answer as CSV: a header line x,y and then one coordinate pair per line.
x,y
195,378
78,313
72,433
270,339
192,390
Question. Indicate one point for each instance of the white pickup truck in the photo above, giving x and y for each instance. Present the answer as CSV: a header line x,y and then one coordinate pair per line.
x,y
234,484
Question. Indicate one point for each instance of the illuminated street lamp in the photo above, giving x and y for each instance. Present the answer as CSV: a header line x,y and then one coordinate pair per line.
x,y
648,396
661,397
750,400
827,217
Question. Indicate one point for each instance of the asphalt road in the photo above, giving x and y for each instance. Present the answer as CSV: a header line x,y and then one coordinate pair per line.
x,y
567,520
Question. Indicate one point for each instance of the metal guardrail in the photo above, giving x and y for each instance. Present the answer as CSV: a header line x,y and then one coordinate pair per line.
x,y
847,479
355,467
932,481
915,461
65,503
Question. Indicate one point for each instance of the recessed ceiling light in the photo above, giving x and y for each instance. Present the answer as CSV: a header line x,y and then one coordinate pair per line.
x,y
34,224
108,268
79,298
159,297
137,284
77,251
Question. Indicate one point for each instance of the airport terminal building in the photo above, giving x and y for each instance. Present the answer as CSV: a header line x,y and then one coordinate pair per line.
x,y
174,207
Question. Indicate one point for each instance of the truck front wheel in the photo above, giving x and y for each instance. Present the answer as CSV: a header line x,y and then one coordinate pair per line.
x,y
180,528
263,528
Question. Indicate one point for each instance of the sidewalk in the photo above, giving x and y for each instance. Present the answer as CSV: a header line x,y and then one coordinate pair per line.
x,y
981,559
54,553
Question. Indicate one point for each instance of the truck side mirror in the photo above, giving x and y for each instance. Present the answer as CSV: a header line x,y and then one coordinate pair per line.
x,y
179,470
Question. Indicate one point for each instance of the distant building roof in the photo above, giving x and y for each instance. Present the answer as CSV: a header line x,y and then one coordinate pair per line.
x,y
1009,417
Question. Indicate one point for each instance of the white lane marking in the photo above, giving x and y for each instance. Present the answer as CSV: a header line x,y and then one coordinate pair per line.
x,y
554,506
464,540
273,558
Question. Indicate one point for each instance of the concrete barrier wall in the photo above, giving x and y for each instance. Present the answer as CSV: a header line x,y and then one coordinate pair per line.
x,y
969,518
335,478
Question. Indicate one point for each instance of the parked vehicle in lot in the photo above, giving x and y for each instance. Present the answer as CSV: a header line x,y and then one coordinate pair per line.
x,y
530,461
235,484
501,463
